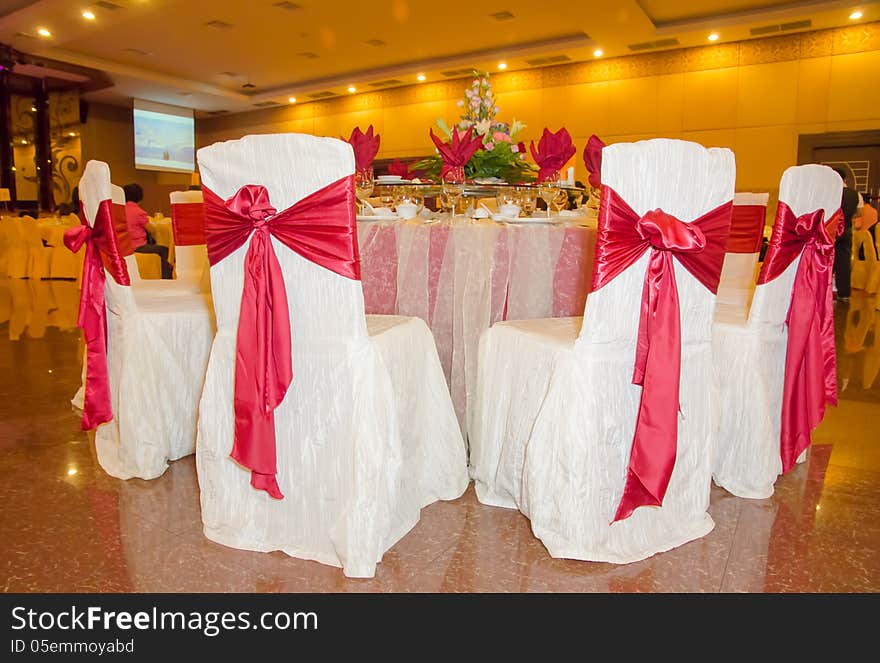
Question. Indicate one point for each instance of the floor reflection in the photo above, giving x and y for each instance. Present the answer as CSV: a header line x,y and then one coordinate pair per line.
x,y
69,527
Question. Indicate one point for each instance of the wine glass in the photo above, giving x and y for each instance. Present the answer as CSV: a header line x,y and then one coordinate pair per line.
x,y
363,185
548,189
527,200
560,202
452,190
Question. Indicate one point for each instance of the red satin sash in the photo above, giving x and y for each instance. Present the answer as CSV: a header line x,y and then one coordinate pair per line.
x,y
120,228
188,223
102,252
321,228
810,362
699,246
746,229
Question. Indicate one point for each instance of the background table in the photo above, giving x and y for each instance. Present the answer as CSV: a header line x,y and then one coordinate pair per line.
x,y
462,275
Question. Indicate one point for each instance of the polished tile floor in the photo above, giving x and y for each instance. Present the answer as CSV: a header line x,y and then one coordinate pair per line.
x,y
68,527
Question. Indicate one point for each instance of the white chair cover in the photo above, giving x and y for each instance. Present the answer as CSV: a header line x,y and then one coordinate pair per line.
x,y
750,357
157,351
556,407
15,249
739,271
366,435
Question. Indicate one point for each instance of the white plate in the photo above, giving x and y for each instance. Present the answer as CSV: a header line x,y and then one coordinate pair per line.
x,y
390,178
531,219
372,217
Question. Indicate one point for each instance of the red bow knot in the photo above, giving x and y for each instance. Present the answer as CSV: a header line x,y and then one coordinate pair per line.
x,y
321,228
666,233
810,381
102,252
698,246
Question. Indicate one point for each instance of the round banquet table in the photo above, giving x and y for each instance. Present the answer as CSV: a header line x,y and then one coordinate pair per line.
x,y
461,276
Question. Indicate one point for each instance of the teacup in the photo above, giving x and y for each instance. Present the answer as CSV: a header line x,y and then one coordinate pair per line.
x,y
407,210
509,211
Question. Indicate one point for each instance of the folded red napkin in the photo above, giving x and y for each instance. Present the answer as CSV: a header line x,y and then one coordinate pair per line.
x,y
554,150
401,168
593,159
458,151
365,146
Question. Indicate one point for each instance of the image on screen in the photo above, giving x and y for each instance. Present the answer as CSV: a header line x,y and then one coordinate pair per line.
x,y
163,140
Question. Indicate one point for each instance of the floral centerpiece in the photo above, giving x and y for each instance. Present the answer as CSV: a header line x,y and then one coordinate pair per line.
x,y
499,156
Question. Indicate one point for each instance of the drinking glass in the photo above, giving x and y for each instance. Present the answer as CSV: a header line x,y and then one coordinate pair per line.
x,y
561,200
548,190
363,185
506,196
527,200
452,190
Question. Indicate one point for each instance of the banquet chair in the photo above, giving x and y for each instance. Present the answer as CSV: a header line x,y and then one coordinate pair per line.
x,y
865,271
750,356
142,392
17,254
554,427
188,225
741,254
39,256
366,434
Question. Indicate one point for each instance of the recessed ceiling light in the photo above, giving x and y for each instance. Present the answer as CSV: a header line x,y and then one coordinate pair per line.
x,y
598,53
502,66
421,78
43,32
33,109
72,134
352,89
71,471
23,141
713,36
292,100
88,15
856,15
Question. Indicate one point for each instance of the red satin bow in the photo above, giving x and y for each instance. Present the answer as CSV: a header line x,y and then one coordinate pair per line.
x,y
188,223
699,247
593,160
102,251
554,150
321,228
810,362
457,152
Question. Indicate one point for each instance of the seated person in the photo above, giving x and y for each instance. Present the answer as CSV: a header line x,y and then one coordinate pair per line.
x,y
141,240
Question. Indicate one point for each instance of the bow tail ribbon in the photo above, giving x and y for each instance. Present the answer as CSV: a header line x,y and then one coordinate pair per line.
x,y
658,371
92,319
263,370
810,363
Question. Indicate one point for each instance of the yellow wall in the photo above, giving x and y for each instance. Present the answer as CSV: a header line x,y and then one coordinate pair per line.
x,y
754,97
108,135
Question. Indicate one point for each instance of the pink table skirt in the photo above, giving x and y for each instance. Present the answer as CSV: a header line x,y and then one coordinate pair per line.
x,y
462,278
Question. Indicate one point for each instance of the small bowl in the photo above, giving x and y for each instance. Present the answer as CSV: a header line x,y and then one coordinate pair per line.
x,y
407,211
509,211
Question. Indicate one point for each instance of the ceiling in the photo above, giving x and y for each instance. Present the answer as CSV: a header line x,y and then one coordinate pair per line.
x,y
230,55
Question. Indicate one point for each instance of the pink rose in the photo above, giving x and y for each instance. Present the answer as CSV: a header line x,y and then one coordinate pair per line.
x,y
500,137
